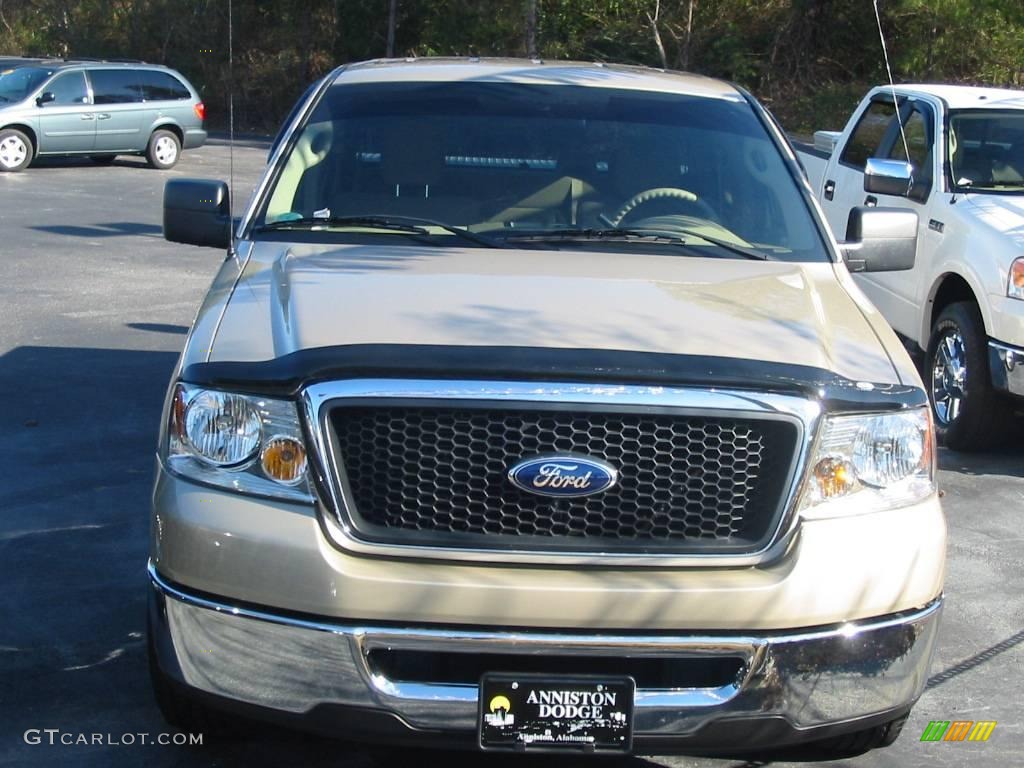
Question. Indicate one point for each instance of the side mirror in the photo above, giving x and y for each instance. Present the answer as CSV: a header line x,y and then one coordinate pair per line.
x,y
880,240
888,177
45,98
197,212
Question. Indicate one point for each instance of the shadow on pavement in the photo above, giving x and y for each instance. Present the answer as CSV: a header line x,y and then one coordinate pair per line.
x,y
982,657
83,161
1008,461
79,430
114,229
159,327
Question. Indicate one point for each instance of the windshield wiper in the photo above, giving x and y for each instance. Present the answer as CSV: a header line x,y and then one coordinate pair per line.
x,y
403,224
995,185
657,236
741,250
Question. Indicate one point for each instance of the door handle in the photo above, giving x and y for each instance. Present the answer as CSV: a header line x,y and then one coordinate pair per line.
x,y
88,116
103,116
870,201
830,189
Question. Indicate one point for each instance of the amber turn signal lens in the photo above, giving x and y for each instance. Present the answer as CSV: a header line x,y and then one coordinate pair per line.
x,y
284,460
1016,287
178,405
835,477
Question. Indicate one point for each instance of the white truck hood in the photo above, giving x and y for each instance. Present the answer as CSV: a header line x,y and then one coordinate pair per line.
x,y
292,297
1002,213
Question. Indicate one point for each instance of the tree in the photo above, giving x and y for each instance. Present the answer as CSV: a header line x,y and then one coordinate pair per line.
x,y
392,23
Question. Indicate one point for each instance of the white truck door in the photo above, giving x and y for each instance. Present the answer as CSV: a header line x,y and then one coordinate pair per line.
x,y
899,295
875,129
843,186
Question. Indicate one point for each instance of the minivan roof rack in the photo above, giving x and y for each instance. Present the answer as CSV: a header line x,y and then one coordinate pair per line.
x,y
103,61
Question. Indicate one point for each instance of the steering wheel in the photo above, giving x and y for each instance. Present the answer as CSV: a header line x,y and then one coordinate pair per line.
x,y
661,193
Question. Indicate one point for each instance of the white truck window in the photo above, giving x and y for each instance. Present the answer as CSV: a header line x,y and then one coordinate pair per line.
x,y
916,128
869,134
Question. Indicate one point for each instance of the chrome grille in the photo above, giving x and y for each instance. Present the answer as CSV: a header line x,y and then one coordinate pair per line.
x,y
437,476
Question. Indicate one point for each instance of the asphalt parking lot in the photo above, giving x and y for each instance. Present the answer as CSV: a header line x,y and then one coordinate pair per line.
x,y
94,305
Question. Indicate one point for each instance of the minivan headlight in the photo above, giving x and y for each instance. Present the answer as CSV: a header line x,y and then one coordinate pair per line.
x,y
246,443
870,462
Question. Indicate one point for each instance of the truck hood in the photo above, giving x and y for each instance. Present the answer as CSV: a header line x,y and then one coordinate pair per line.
x,y
1002,213
293,297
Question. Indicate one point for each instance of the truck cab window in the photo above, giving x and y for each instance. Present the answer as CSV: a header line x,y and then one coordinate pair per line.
x,y
869,134
919,142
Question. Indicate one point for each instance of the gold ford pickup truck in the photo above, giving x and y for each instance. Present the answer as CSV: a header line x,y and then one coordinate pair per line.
x,y
534,408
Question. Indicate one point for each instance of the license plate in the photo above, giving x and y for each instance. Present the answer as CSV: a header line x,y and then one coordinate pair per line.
x,y
552,713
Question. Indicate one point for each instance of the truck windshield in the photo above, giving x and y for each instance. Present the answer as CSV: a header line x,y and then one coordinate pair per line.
x,y
18,82
987,150
515,162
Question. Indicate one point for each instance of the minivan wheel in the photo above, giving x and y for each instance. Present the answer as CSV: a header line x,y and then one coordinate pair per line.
x,y
15,150
969,414
164,150
103,159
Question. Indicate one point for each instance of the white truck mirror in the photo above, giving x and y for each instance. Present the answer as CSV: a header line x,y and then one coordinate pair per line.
x,y
888,177
880,239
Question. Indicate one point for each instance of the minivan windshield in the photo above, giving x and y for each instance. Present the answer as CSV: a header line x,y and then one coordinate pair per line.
x,y
539,165
987,150
16,83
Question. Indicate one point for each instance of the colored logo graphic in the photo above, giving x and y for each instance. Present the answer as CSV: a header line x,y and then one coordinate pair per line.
x,y
958,730
565,476
500,713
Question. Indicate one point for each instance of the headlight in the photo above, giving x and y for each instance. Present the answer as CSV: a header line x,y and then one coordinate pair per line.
x,y
1015,285
870,462
242,442
222,429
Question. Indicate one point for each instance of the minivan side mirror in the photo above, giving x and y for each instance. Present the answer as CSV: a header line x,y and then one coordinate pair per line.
x,y
880,239
197,212
45,98
888,177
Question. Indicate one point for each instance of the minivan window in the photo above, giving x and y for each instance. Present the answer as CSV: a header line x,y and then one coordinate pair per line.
x,y
17,83
68,88
162,86
505,159
115,86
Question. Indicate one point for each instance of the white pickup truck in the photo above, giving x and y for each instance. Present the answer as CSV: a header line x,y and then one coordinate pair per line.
x,y
963,302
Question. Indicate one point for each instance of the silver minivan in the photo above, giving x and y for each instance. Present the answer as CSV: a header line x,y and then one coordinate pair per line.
x,y
96,108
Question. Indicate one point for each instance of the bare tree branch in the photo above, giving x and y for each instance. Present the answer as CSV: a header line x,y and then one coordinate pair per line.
x,y
3,19
689,35
657,35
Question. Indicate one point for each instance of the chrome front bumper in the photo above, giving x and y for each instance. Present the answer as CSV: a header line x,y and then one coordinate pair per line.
x,y
1007,366
807,680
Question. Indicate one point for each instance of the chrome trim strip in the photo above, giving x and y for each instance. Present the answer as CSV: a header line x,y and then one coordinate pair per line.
x,y
718,402
811,677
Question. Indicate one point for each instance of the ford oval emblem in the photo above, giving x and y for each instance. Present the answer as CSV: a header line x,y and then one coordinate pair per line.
x,y
563,476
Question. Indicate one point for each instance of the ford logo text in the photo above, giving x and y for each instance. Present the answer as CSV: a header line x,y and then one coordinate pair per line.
x,y
564,476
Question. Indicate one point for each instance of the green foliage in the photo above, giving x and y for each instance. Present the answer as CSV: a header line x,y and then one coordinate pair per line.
x,y
809,60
